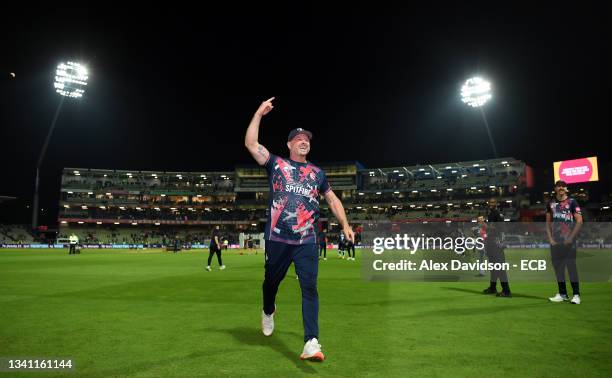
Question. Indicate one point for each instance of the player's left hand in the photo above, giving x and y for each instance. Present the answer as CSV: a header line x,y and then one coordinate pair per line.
x,y
349,234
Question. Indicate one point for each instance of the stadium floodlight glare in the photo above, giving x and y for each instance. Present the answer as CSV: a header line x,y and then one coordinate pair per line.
x,y
476,91
71,79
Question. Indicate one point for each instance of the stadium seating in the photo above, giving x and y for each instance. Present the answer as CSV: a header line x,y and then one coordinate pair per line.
x,y
15,234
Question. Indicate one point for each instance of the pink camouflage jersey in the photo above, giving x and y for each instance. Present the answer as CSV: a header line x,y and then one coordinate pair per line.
x,y
563,217
294,200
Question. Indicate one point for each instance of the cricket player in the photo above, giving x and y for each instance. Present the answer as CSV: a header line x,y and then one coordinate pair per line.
x,y
563,222
295,187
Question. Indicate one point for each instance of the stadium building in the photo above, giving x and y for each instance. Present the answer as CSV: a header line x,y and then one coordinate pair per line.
x,y
149,207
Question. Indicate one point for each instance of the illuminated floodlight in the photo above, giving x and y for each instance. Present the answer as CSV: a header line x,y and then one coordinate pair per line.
x,y
71,79
475,92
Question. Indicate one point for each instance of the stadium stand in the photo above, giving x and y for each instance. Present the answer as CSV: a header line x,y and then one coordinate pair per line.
x,y
121,206
15,234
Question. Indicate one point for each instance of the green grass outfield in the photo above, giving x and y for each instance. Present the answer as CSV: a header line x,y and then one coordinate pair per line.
x,y
153,313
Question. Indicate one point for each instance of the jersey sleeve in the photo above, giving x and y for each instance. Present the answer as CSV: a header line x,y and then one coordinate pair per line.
x,y
575,207
269,164
325,187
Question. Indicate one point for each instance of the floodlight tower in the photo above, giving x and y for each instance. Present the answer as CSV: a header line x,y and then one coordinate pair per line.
x,y
70,81
476,92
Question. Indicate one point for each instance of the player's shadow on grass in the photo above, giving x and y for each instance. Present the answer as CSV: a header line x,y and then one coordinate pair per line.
x,y
253,336
479,292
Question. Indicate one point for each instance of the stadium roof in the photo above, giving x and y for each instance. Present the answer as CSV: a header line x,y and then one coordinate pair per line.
x,y
441,166
97,170
6,198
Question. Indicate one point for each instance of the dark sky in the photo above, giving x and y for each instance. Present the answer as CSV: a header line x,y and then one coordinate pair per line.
x,y
175,89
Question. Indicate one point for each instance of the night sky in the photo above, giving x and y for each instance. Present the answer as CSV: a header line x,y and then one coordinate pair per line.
x,y
175,89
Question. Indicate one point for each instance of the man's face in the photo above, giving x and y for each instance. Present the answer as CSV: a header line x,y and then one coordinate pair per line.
x,y
299,145
561,190
492,204
481,219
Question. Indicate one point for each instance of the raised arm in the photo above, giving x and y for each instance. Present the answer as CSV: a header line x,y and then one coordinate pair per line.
x,y
259,152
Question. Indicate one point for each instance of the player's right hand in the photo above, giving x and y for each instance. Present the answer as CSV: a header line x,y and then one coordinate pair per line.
x,y
265,107
349,234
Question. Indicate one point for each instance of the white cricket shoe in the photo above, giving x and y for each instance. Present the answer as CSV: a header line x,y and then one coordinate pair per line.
x,y
575,299
325,258
312,351
208,268
558,298
267,323
222,267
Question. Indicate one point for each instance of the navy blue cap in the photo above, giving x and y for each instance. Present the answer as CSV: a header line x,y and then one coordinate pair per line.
x,y
295,132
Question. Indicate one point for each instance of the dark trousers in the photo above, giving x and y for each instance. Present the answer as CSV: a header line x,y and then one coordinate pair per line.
x,y
564,256
72,249
349,248
278,258
495,254
323,249
212,252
